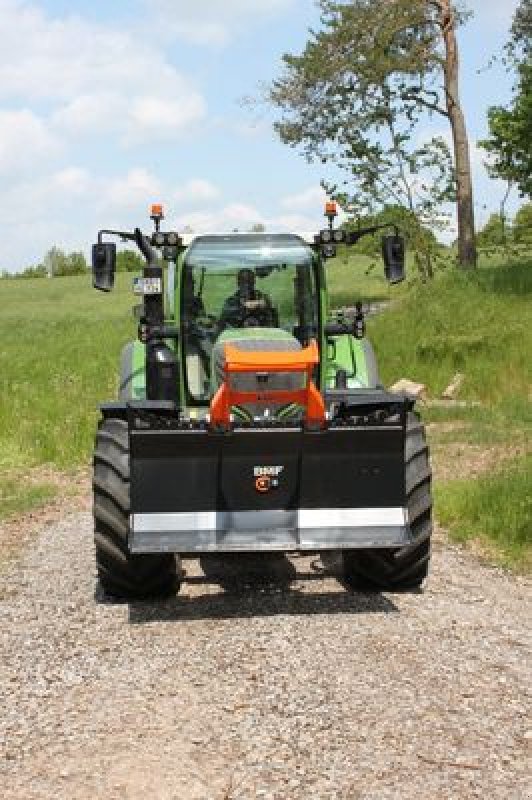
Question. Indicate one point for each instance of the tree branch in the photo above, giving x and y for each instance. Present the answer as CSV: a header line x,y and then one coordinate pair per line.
x,y
425,103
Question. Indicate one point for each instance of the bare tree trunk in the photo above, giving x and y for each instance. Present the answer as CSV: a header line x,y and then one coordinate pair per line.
x,y
503,212
467,252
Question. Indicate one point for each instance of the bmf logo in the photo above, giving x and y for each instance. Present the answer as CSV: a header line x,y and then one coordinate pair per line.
x,y
267,478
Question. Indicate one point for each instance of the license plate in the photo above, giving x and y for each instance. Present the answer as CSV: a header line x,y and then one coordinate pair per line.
x,y
147,286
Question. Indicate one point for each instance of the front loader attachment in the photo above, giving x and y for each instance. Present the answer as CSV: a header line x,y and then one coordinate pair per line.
x,y
270,486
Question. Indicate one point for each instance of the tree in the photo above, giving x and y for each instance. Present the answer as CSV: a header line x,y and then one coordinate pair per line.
x,y
522,229
57,263
493,233
420,239
129,261
356,94
511,134
258,227
511,128
38,271
521,38
76,264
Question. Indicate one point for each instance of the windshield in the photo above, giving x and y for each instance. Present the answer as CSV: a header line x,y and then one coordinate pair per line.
x,y
245,283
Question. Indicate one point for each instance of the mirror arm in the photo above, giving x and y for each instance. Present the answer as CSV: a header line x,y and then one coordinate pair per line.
x,y
137,236
126,236
145,247
354,236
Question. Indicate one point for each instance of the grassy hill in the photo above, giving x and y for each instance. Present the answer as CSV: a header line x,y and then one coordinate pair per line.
x,y
479,325
60,342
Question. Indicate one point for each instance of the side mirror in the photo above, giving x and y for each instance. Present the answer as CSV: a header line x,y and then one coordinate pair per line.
x,y
393,253
103,266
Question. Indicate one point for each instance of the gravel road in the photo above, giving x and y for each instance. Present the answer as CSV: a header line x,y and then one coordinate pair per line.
x,y
291,688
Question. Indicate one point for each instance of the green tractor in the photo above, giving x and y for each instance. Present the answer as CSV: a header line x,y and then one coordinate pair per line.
x,y
247,421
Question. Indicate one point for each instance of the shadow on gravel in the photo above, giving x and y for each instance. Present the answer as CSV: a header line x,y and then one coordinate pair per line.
x,y
254,586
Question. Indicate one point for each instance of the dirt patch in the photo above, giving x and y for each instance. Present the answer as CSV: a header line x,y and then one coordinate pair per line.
x,y
18,532
461,460
436,429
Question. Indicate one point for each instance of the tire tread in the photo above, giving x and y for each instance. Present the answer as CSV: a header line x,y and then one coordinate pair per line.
x,y
121,573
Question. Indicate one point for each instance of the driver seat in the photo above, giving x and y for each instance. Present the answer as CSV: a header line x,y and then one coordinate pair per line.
x,y
257,340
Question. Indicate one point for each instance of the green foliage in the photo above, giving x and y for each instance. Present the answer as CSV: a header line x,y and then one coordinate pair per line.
x,y
511,128
495,508
353,99
60,264
427,252
522,228
56,264
39,271
511,134
493,233
521,41
129,261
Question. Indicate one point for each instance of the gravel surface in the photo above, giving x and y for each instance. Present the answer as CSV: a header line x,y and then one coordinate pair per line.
x,y
287,687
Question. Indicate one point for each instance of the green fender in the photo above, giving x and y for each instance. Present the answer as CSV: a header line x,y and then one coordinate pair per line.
x,y
356,357
133,372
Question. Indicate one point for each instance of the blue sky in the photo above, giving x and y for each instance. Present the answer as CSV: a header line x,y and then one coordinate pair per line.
x,y
108,106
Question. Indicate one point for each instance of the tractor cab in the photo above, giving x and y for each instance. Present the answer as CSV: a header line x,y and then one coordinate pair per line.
x,y
257,292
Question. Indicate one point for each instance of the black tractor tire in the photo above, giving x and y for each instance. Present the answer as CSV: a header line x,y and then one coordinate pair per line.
x,y
122,574
406,568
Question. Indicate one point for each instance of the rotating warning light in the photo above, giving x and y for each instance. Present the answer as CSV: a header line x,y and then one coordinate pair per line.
x,y
157,211
331,209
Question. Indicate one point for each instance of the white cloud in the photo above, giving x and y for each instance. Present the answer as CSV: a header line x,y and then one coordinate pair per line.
x,y
233,216
135,191
71,180
311,199
242,216
196,191
155,118
211,22
68,206
96,79
25,142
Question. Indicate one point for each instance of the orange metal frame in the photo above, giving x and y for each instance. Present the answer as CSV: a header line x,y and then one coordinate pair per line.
x,y
240,361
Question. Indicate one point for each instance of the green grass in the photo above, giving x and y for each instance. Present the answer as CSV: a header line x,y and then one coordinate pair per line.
x,y
59,346
495,509
480,325
17,497
353,277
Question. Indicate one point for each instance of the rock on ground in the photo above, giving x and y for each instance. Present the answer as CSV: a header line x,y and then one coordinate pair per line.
x,y
238,688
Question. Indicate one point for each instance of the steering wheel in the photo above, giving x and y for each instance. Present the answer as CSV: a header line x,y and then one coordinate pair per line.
x,y
203,327
259,318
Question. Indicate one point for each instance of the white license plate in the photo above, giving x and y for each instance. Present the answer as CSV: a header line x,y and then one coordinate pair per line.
x,y
147,286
